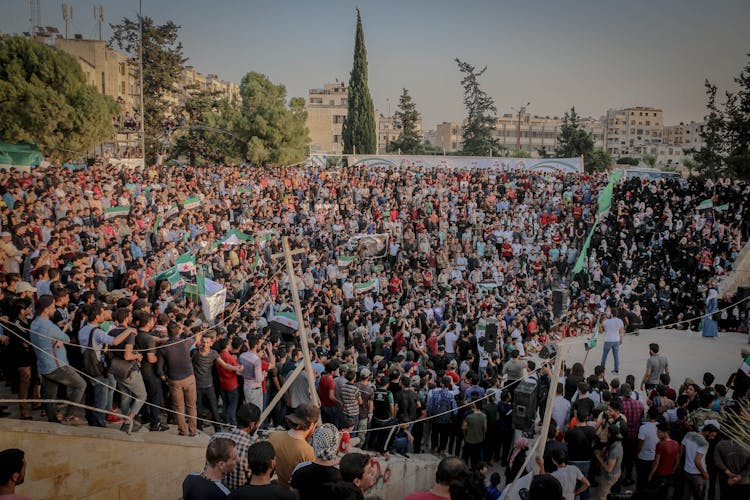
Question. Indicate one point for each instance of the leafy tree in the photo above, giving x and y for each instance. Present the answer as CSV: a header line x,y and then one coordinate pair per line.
x,y
710,158
519,153
737,127
409,142
358,131
481,113
44,98
650,160
597,160
162,67
573,139
543,152
273,132
206,132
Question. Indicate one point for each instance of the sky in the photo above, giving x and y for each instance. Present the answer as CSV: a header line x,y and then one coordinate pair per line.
x,y
591,54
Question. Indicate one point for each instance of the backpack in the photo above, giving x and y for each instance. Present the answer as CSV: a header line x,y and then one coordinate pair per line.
x,y
444,405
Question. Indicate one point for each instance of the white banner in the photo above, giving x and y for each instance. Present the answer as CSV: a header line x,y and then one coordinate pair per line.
x,y
566,165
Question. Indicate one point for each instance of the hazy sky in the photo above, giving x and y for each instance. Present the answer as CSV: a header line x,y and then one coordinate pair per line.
x,y
594,54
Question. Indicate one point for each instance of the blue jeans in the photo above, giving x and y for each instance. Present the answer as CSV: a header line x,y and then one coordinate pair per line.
x,y
103,396
229,400
584,467
615,348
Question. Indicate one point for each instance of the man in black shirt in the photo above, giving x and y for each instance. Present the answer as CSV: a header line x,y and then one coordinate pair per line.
x,y
221,457
580,440
261,457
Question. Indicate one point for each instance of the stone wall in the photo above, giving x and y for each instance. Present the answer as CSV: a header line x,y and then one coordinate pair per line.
x,y
93,463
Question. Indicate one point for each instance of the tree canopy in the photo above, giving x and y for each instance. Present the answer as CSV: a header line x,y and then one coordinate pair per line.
x,y
481,114
44,98
273,132
409,141
574,140
162,67
726,132
358,131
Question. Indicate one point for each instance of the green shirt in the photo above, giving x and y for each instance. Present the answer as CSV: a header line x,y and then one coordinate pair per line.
x,y
475,427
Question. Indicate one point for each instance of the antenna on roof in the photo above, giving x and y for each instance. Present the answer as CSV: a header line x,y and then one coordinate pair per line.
x,y
99,16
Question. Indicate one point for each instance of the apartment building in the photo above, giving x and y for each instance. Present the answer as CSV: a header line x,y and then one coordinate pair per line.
x,y
327,109
389,128
633,131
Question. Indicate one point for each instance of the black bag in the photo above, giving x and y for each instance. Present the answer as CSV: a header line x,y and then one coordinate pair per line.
x,y
92,366
120,368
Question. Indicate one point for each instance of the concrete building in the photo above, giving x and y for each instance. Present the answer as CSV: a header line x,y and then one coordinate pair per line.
x,y
635,131
389,129
106,69
530,134
685,135
327,109
192,78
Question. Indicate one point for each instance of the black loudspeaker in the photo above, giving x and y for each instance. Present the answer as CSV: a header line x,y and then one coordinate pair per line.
x,y
742,293
560,302
524,406
490,338
548,351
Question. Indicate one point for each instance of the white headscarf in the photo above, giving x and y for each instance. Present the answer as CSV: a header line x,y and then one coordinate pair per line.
x,y
712,294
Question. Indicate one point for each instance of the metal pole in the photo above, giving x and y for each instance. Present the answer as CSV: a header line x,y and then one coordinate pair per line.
x,y
140,73
300,319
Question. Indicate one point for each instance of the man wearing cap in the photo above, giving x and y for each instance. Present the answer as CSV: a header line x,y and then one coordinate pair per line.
x,y
291,446
366,392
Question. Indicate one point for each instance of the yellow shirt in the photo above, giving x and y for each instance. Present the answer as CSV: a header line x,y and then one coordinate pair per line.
x,y
289,452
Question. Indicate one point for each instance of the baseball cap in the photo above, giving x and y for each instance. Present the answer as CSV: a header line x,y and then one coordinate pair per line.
x,y
365,373
24,286
305,413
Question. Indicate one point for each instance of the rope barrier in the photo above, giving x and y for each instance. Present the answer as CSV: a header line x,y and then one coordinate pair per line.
x,y
156,348
71,403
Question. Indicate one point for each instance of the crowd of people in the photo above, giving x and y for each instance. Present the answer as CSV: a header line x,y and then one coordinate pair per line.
x,y
417,339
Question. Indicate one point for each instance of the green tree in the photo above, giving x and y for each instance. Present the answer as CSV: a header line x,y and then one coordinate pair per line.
x,y
358,131
709,159
162,67
519,153
481,114
737,127
573,140
44,98
273,132
543,152
206,136
409,142
649,160
597,160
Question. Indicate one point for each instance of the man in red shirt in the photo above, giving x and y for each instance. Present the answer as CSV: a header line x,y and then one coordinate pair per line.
x,y
666,461
327,392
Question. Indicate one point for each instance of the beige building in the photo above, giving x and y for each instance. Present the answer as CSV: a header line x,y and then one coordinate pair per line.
x,y
192,78
389,129
530,133
633,131
326,111
685,135
105,68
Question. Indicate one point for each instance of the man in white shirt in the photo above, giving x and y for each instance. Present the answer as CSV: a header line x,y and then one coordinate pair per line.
x,y
450,344
647,441
695,447
561,408
614,330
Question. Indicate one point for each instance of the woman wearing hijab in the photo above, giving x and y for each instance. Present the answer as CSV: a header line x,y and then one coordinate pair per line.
x,y
517,458
309,478
710,326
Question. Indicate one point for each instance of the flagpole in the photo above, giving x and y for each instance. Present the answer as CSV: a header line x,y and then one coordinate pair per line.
x,y
300,320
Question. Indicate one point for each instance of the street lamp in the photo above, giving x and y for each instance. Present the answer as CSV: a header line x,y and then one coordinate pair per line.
x,y
520,112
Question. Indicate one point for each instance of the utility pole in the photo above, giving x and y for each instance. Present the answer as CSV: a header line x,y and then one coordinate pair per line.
x,y
520,111
67,13
99,16
140,74
301,330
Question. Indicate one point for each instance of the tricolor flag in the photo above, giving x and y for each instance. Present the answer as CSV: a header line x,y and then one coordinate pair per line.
x,y
257,262
213,297
192,202
243,189
721,208
173,210
264,238
114,212
171,275
286,318
745,368
705,204
344,260
367,286
185,263
488,287
236,237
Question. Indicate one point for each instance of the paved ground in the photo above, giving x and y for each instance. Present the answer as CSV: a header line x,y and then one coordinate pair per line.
x,y
689,354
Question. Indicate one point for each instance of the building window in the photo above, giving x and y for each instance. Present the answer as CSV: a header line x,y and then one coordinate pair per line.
x,y
337,139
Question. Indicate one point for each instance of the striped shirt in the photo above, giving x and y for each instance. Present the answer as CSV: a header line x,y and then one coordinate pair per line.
x,y
349,395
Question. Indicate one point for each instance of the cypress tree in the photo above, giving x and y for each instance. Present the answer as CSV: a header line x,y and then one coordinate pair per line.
x,y
359,128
